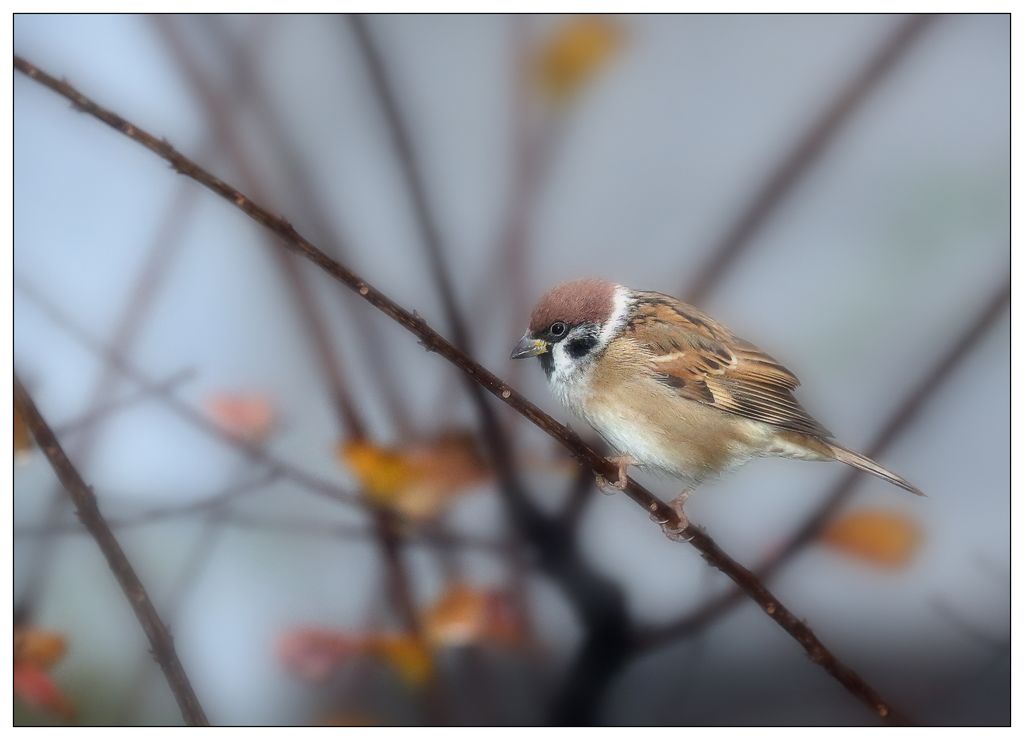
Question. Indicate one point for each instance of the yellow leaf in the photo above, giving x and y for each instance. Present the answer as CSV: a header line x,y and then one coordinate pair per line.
x,y
38,647
421,479
457,618
383,473
884,538
22,436
407,655
575,53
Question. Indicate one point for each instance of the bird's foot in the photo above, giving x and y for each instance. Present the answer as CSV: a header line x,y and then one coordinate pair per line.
x,y
613,487
675,530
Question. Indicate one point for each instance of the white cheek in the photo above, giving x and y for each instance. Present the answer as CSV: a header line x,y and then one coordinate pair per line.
x,y
568,378
565,366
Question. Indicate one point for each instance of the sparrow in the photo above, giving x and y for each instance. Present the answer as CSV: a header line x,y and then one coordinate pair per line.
x,y
670,389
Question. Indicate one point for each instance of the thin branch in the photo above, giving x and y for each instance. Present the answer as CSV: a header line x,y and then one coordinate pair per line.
x,y
408,161
183,410
526,515
276,467
89,512
600,603
84,421
427,534
898,422
221,119
434,342
223,123
200,552
312,209
160,514
161,253
807,150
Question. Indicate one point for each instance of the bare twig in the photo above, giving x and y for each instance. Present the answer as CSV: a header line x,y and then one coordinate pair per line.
x,y
275,467
897,423
187,413
160,514
427,535
173,602
434,342
600,605
312,209
88,511
806,151
85,420
160,256
221,119
223,123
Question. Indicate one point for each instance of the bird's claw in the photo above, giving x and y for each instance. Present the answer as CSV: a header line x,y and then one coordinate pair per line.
x,y
675,530
610,488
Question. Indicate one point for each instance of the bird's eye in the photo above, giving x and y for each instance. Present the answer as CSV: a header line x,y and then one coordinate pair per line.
x,y
557,329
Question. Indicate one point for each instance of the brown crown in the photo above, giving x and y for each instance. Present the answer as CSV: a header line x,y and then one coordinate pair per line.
x,y
576,302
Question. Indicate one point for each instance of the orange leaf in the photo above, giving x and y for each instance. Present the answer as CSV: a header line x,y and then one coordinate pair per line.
x,y
421,479
248,417
38,647
407,655
22,437
464,615
314,654
579,48
884,538
382,472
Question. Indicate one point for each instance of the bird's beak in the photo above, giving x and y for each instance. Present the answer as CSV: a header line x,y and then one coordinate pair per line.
x,y
529,347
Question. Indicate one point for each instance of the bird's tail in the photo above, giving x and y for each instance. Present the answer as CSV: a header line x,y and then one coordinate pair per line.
x,y
870,466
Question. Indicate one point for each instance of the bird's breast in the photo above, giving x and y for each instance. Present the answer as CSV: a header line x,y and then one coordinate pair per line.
x,y
645,419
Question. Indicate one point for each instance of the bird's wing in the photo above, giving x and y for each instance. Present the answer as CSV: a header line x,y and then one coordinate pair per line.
x,y
703,361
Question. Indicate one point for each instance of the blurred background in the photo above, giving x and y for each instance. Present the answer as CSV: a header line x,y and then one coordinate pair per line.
x,y
307,494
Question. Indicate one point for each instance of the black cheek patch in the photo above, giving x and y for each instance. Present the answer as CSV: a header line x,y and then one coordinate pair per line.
x,y
577,348
547,361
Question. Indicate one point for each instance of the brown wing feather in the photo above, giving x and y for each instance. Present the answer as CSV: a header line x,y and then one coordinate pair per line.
x,y
705,362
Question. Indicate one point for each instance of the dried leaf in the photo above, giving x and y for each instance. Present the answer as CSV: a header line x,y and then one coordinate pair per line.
x,y
576,52
33,685
249,417
420,480
314,654
407,655
464,615
35,653
382,472
38,647
22,437
884,538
